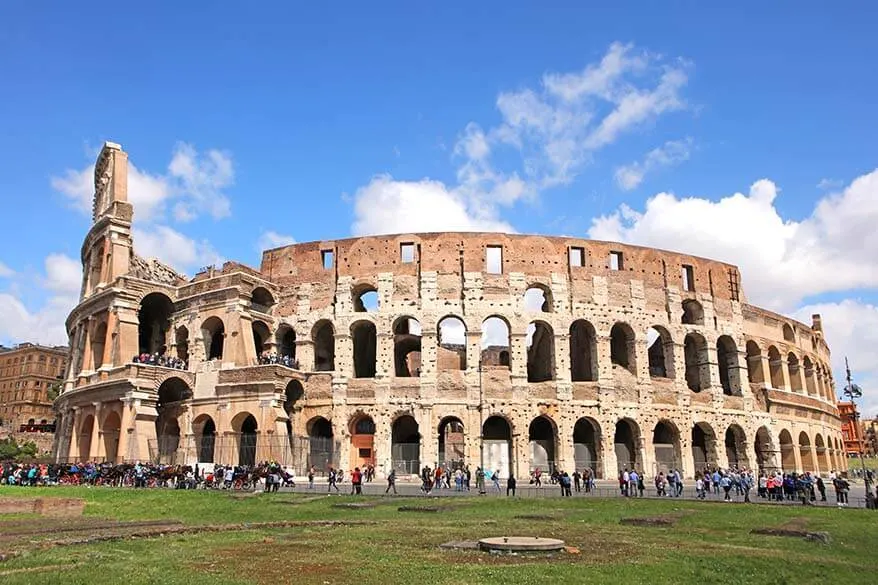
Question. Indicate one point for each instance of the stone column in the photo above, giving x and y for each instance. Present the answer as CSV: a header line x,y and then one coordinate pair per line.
x,y
518,357
344,355
429,355
305,354
384,359
73,449
562,357
95,448
125,431
608,466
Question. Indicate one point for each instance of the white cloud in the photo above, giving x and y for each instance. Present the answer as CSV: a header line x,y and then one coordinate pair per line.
x,y
670,153
181,252
271,239
63,274
202,180
146,192
5,271
778,257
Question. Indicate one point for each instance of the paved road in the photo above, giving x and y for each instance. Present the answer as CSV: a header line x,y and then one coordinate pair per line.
x,y
604,488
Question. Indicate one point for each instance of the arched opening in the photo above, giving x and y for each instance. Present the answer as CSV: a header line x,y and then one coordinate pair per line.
x,y
365,299
324,346
171,394
538,299
540,352
625,442
111,430
451,354
822,454
586,445
452,453
703,446
666,445
787,451
214,333
541,436
181,339
583,352
775,368
405,446
85,432
788,334
321,443
736,447
660,352
365,340
697,362
204,429
693,312
407,347
622,349
154,321
806,453
794,374
261,300
362,441
244,424
754,363
98,344
495,342
293,393
285,338
810,386
727,359
261,335
765,451
497,445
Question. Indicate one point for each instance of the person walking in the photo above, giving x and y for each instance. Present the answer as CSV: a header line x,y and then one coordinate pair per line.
x,y
357,482
333,478
391,482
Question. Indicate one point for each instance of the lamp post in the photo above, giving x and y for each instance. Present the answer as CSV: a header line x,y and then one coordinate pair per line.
x,y
853,391
481,418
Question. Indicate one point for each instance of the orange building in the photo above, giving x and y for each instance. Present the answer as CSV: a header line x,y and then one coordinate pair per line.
x,y
27,372
850,429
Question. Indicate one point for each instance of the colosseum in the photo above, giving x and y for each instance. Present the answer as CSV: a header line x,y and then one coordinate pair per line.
x,y
502,350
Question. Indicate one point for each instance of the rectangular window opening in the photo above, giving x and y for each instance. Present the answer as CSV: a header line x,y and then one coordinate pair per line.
x,y
365,453
616,262
688,274
494,259
577,257
407,253
328,258
734,290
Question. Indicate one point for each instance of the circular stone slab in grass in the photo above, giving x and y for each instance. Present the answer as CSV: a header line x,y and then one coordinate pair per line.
x,y
521,544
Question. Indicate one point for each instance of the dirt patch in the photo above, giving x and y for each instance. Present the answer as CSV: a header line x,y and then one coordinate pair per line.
x,y
821,537
539,517
427,509
659,521
266,562
355,505
52,507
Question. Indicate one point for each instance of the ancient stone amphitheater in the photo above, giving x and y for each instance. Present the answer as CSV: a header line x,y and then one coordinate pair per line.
x,y
514,352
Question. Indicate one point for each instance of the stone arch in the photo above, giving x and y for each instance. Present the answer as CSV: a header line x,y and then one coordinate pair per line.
x,y
261,336
623,349
495,341
703,445
822,453
540,344
789,335
321,443
587,445
111,430
285,339
261,300
697,362
538,298
365,298
626,441
793,371
806,453
660,351
666,446
763,446
727,359
293,393
583,352
154,322
98,344
736,447
808,367
452,444
542,437
362,430
323,336
172,392
497,445
405,445
407,347
693,312
204,429
246,428
181,341
365,344
787,451
451,353
86,428
775,368
754,363
213,331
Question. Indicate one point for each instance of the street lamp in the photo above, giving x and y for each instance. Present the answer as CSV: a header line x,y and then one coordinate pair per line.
x,y
853,391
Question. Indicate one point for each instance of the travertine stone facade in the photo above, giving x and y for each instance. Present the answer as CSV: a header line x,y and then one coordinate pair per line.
x,y
509,351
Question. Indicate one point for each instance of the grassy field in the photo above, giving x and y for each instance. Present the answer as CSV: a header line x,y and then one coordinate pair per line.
x,y
706,543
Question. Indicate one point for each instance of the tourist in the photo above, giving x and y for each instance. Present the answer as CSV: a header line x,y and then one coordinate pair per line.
x,y
577,477
496,478
391,482
510,485
333,480
356,482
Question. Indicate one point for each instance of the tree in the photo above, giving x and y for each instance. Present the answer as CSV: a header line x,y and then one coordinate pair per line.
x,y
10,449
53,391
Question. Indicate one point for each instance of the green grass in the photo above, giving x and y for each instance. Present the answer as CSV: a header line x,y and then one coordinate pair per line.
x,y
709,543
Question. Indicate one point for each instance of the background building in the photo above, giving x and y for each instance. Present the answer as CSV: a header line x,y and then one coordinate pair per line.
x,y
851,429
869,428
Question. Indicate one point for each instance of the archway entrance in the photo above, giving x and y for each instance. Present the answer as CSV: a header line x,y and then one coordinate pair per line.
x,y
85,431
405,445
541,436
497,445
451,443
764,449
822,454
205,437
247,439
153,323
666,445
585,446
703,446
362,442
214,333
171,394
806,453
625,442
736,447
110,430
787,452
320,443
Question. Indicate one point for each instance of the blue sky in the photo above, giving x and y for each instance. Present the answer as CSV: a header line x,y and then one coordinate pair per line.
x,y
258,126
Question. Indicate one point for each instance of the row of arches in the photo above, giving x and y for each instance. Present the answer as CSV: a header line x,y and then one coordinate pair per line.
x,y
790,373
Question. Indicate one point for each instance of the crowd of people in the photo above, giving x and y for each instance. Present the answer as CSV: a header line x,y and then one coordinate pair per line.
x,y
266,358
160,359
